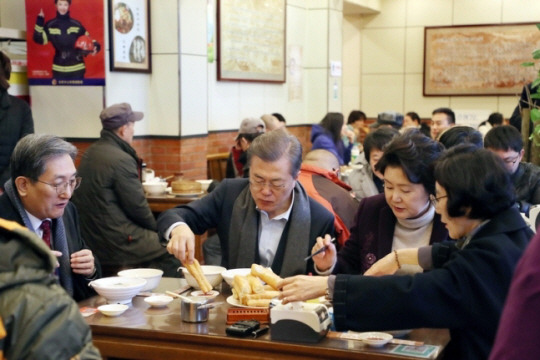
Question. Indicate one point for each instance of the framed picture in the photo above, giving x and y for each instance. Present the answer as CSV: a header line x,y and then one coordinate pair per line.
x,y
129,35
251,40
478,60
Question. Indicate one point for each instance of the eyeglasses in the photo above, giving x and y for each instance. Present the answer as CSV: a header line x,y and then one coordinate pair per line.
x,y
511,160
435,200
258,185
61,188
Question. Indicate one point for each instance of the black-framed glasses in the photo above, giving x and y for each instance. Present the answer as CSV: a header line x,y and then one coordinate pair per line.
x,y
435,200
61,188
258,185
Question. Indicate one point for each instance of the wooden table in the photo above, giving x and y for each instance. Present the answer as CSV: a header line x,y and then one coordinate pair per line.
x,y
159,333
160,203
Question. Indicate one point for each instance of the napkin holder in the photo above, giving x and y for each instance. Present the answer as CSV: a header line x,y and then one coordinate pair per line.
x,y
299,322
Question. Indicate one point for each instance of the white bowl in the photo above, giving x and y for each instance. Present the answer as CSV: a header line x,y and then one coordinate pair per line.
x,y
155,188
375,339
158,300
152,276
228,275
204,184
118,289
112,309
211,272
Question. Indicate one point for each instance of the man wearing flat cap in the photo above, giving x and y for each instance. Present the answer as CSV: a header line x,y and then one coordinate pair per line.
x,y
237,164
111,202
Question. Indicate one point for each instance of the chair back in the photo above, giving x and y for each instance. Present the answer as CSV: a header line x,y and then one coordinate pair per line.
x,y
216,165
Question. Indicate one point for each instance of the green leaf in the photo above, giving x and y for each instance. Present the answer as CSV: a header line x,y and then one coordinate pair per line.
x,y
538,26
527,64
535,83
535,114
535,96
536,54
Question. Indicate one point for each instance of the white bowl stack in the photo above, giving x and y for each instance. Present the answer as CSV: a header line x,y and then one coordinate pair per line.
x,y
152,276
117,289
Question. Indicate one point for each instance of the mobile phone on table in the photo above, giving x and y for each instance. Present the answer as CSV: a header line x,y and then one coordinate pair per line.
x,y
242,328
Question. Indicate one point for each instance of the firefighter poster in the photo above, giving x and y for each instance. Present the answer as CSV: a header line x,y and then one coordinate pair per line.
x,y
65,42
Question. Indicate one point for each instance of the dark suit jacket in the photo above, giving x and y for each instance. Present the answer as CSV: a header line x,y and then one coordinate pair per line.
x,y
215,211
465,292
372,236
75,242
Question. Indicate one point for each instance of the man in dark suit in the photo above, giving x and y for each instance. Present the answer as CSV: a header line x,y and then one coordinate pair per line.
x,y
43,178
267,219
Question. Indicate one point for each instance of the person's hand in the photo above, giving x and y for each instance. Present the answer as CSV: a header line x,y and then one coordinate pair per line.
x,y
302,287
41,13
385,266
326,259
182,243
57,254
82,262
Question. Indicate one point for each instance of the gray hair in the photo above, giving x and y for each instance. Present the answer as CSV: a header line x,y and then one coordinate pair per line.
x,y
273,145
33,151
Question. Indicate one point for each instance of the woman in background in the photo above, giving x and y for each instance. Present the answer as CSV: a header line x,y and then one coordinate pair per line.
x,y
327,136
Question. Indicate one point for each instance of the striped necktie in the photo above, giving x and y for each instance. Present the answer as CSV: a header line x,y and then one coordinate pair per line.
x,y
46,228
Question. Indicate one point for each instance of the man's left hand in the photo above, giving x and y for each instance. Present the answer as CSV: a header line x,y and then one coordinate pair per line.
x,y
82,262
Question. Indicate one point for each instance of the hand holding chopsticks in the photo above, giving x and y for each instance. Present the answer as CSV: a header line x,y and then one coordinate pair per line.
x,y
324,248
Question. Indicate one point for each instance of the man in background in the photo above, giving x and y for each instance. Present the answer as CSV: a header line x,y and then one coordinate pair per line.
x,y
441,119
237,164
319,176
15,120
111,201
43,179
506,142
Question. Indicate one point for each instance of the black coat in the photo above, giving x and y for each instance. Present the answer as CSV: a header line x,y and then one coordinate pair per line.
x,y
15,122
464,293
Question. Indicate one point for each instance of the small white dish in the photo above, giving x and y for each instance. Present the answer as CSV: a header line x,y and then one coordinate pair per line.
x,y
112,309
209,295
158,300
375,339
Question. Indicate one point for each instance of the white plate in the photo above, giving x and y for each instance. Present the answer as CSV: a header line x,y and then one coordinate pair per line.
x,y
209,295
232,301
187,194
158,300
112,309
375,339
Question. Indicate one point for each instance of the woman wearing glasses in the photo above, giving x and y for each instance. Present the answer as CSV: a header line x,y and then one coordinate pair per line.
x,y
468,280
402,217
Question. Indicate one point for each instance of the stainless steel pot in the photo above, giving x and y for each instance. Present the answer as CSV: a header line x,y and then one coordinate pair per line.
x,y
194,311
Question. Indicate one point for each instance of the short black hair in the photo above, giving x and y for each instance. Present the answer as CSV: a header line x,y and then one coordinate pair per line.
x,y
356,115
378,139
448,112
279,117
457,135
476,181
495,118
415,154
5,70
504,137
414,116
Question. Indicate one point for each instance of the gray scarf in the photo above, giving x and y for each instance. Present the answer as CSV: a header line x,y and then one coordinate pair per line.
x,y
59,241
243,233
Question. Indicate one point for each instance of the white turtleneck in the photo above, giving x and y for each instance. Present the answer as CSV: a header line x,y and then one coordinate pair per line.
x,y
413,233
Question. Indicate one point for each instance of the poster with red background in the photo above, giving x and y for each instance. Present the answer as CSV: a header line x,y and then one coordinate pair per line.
x,y
40,57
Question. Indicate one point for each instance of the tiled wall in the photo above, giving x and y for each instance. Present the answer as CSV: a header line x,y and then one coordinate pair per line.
x,y
167,156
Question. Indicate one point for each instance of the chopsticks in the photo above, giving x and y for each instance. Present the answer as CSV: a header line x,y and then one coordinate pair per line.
x,y
185,298
324,248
